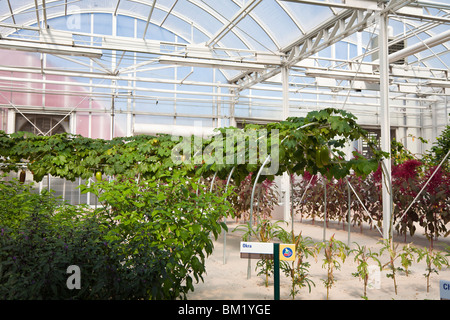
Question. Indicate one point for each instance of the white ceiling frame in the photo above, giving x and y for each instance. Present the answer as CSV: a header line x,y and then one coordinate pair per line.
x,y
332,30
417,28
27,24
117,87
311,41
264,27
89,75
12,13
288,12
227,27
144,46
219,18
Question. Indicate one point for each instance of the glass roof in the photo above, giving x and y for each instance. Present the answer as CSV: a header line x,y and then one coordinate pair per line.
x,y
260,25
191,54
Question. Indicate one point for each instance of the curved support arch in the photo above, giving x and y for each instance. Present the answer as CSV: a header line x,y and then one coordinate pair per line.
x,y
251,208
144,18
225,218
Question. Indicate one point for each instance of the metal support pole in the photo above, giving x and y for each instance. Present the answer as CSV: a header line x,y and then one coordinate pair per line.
x,y
225,219
212,181
292,204
251,210
385,125
349,210
276,271
285,114
324,209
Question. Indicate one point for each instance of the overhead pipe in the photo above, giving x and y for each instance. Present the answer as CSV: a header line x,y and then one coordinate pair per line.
x,y
421,46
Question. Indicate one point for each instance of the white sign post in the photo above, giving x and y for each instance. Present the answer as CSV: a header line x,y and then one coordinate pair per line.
x,y
274,251
256,250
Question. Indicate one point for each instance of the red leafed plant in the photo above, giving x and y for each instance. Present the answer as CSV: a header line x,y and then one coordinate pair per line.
x,y
434,203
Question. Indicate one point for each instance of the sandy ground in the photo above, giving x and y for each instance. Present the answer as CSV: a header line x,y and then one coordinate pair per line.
x,y
228,281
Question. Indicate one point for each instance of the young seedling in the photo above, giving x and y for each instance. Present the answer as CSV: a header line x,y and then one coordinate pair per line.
x,y
362,257
393,255
298,270
407,258
334,250
434,260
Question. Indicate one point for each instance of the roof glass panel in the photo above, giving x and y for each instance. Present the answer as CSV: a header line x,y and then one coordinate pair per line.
x,y
226,9
277,21
308,15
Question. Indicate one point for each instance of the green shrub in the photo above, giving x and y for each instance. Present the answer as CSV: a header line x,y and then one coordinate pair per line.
x,y
146,242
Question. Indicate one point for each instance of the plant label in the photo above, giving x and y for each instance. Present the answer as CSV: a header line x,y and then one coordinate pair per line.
x,y
256,250
374,278
287,252
444,289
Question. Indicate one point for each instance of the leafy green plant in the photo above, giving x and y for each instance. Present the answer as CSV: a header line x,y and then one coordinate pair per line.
x,y
298,270
435,261
148,240
362,257
407,257
334,250
393,254
36,251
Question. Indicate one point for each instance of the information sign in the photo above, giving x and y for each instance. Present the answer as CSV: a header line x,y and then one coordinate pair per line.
x,y
256,250
444,289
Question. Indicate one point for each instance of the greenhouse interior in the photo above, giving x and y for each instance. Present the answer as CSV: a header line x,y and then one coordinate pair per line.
x,y
121,70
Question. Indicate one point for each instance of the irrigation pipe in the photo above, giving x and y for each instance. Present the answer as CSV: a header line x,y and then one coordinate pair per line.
x,y
423,188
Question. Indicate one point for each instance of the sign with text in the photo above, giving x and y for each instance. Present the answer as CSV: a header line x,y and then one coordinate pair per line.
x,y
444,289
256,250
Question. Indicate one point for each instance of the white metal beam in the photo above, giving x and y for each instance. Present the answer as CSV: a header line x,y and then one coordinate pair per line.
x,y
385,126
330,31
233,21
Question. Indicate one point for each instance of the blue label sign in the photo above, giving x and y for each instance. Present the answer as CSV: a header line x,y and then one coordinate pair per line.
x,y
444,289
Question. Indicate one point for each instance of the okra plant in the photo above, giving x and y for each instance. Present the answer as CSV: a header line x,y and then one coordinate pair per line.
x,y
407,258
435,261
298,270
334,250
392,251
362,257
